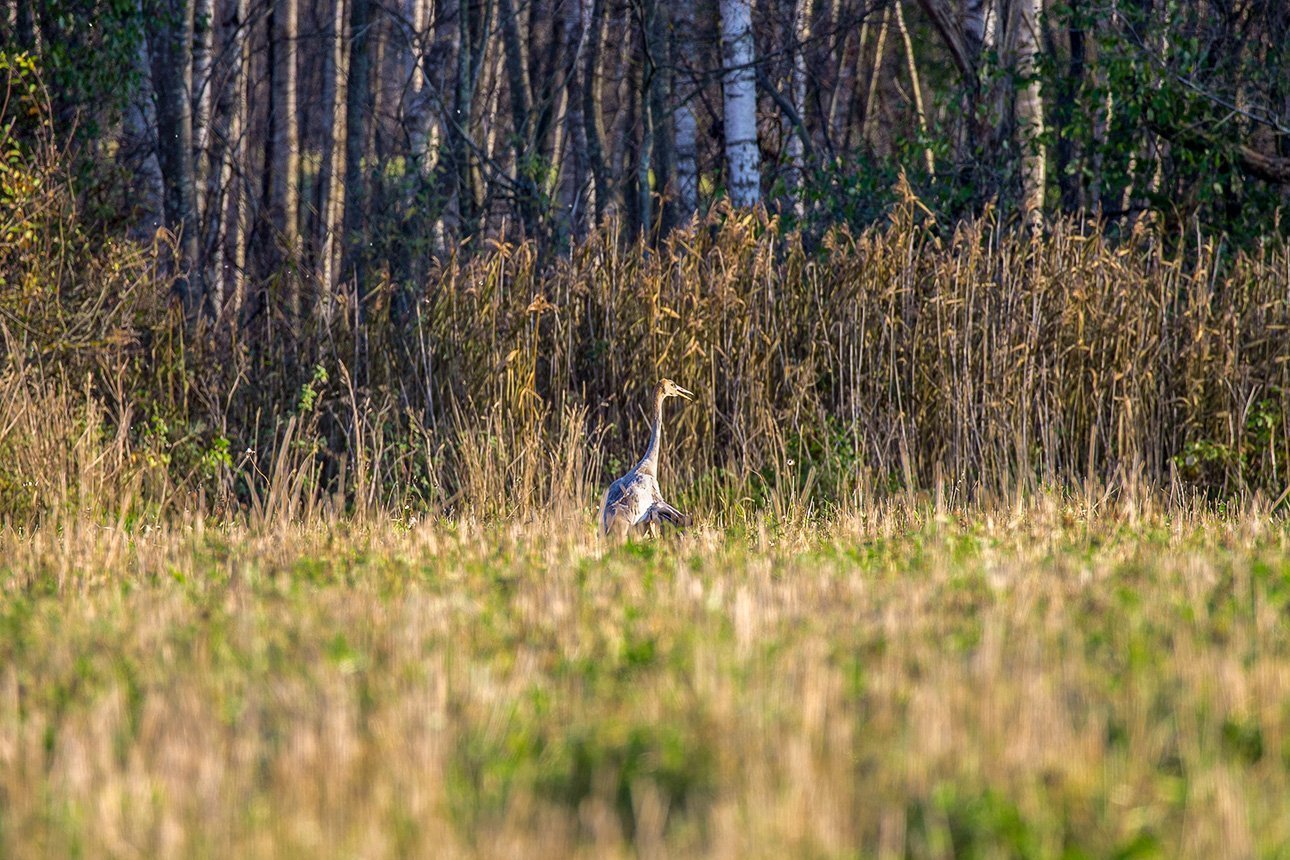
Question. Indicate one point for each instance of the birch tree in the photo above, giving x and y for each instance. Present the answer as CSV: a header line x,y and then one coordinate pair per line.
x,y
739,91
222,152
331,188
797,84
203,40
139,148
577,18
916,86
684,125
284,143
1028,108
968,37
229,257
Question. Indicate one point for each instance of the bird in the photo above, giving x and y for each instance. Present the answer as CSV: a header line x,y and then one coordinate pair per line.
x,y
633,504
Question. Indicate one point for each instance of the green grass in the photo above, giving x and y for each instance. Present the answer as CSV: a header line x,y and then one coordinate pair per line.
x,y
1026,681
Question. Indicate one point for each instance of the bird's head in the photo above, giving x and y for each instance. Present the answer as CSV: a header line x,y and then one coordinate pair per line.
x,y
668,388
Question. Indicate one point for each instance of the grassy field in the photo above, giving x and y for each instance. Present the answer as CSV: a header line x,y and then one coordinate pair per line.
x,y
1031,679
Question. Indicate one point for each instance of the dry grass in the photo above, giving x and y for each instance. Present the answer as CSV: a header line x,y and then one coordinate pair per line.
x,y
897,357
1033,678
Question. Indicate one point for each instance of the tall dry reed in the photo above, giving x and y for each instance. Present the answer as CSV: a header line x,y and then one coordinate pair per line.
x,y
896,357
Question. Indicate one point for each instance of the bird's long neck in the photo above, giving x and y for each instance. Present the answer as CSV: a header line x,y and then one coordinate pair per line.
x,y
649,463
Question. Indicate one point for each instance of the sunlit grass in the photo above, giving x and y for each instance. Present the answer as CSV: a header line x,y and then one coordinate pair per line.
x,y
1021,679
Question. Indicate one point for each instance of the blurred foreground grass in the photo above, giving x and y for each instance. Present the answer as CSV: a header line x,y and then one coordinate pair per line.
x,y
1030,680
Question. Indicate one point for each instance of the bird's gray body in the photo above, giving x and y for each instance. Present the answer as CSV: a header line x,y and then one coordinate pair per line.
x,y
633,504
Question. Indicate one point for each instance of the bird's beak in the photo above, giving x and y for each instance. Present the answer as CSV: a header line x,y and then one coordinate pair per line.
x,y
681,392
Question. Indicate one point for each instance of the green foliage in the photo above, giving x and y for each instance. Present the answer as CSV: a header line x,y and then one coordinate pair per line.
x,y
1166,74
88,58
1261,448
310,390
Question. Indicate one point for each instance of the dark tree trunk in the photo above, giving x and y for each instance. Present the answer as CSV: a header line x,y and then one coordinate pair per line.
x,y
1064,109
357,111
659,64
26,25
592,112
171,44
521,95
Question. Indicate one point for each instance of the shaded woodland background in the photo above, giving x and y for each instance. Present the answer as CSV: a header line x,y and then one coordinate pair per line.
x,y
404,249
301,150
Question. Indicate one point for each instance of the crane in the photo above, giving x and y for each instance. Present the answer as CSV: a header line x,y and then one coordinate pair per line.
x,y
634,504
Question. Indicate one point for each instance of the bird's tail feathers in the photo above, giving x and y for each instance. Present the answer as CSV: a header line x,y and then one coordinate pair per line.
x,y
662,512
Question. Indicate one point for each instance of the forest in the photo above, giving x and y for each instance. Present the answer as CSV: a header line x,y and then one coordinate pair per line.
x,y
325,144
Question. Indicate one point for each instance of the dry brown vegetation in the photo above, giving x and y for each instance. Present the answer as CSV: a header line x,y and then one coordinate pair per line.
x,y
893,359
967,360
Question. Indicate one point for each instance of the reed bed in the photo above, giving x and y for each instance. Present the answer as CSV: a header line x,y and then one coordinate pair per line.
x,y
892,360
909,356
966,359
895,357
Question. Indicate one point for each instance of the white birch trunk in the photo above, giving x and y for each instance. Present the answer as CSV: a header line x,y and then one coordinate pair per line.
x,y
418,115
685,128
333,169
841,96
576,25
687,161
204,23
978,27
740,101
284,142
170,43
871,99
916,85
222,157
1028,110
239,218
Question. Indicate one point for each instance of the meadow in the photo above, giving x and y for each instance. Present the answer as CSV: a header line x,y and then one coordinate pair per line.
x,y
1054,675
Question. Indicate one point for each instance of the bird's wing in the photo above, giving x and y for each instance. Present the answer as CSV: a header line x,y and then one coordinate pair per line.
x,y
630,497
639,495
613,499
